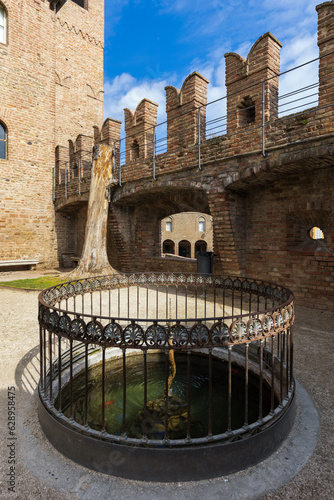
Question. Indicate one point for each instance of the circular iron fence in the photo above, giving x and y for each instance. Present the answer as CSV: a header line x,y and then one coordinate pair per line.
x,y
92,328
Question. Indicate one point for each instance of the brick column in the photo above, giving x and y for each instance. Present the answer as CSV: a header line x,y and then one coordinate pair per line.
x,y
326,45
229,233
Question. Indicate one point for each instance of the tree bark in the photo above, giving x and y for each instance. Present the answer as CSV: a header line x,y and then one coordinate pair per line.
x,y
94,259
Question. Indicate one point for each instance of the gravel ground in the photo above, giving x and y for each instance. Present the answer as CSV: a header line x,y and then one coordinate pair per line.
x,y
303,468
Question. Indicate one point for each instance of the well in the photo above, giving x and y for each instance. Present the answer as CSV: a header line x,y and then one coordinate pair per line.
x,y
166,376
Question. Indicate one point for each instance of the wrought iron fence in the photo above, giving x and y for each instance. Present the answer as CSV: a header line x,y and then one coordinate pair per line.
x,y
91,329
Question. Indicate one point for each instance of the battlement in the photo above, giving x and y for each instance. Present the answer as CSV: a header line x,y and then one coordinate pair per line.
x,y
139,130
182,111
244,95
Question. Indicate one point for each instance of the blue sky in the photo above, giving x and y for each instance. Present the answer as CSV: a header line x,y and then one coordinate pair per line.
x,y
153,43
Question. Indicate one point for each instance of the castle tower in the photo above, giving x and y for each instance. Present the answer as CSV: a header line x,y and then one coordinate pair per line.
x,y
51,90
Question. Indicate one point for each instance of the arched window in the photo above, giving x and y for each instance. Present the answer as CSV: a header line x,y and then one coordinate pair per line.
x,y
169,226
3,25
184,248
168,246
201,224
3,142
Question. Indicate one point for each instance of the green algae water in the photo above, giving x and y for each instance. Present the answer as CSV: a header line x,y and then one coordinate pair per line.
x,y
156,404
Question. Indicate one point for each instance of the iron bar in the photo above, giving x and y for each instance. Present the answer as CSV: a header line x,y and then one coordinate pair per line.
x,y
66,180
120,167
272,388
287,361
199,139
154,139
157,303
166,392
128,290
263,119
261,382
188,392
145,394
114,166
103,375
124,394
100,304
281,358
229,404
176,301
86,385
59,374
246,383
44,354
137,301
214,304
41,348
210,394
79,176
291,354
51,368
71,379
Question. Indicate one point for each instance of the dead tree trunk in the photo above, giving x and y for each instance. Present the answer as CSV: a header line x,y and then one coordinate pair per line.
x,y
94,259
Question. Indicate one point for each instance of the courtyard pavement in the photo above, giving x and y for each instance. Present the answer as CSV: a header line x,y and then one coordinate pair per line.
x,y
302,468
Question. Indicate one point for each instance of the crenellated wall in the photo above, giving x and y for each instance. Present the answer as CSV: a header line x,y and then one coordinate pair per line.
x,y
139,131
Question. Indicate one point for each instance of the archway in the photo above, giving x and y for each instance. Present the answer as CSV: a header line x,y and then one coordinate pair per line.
x,y
200,246
168,246
184,248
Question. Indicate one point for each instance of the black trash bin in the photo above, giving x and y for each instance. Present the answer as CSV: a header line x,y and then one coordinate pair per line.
x,y
205,262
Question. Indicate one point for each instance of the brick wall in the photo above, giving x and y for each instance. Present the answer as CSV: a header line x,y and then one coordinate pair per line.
x,y
50,91
279,247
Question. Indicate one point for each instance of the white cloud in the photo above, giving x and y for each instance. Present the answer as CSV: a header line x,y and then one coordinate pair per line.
x,y
125,91
298,52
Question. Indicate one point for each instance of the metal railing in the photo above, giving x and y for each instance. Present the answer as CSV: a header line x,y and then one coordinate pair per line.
x,y
246,323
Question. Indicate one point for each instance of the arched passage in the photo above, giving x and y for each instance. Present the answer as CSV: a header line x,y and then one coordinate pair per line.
x,y
184,248
200,246
168,246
